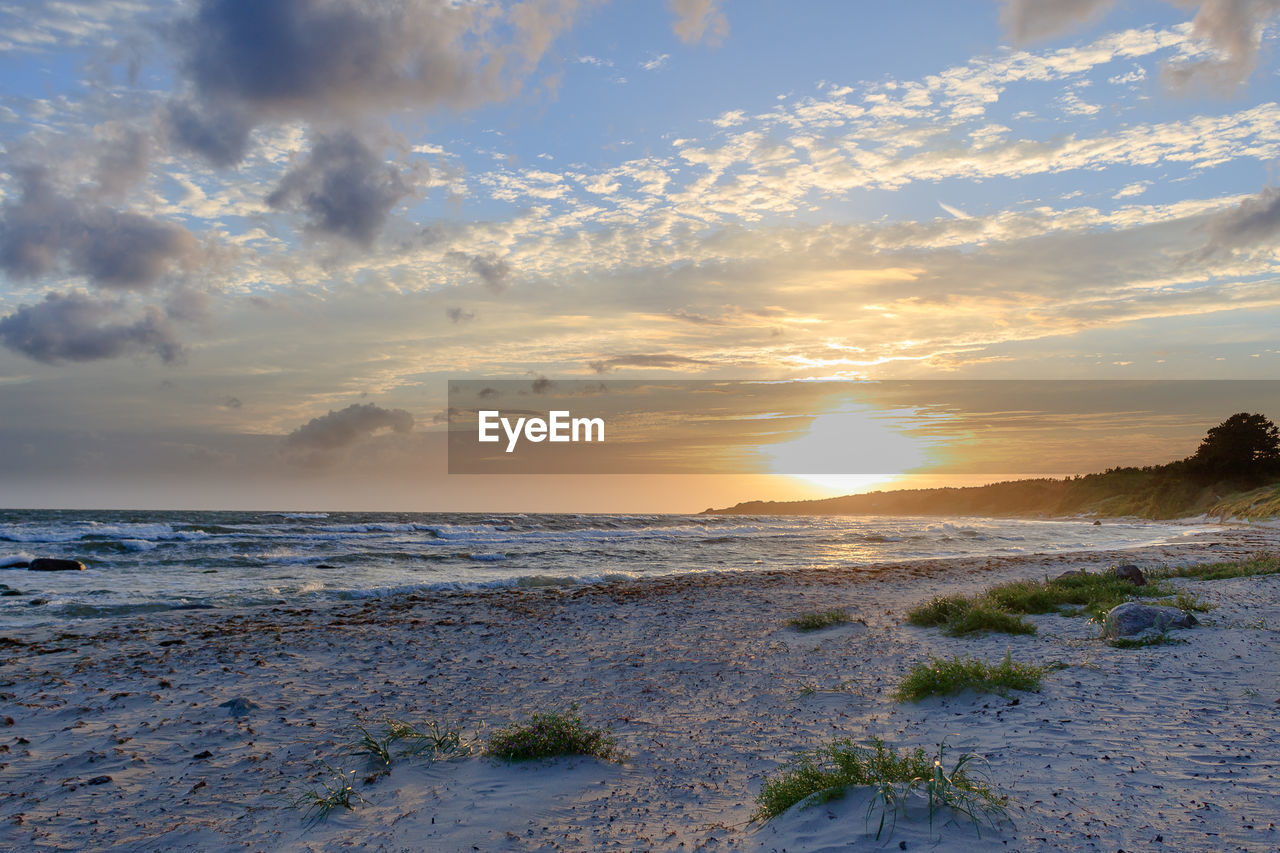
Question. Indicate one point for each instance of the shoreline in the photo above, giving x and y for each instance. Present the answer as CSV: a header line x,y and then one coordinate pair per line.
x,y
84,613
697,675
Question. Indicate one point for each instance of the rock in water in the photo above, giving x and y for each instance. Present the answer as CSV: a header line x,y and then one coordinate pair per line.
x,y
53,564
1132,619
1130,573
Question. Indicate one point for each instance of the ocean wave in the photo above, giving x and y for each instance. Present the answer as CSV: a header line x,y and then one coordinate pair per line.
x,y
158,561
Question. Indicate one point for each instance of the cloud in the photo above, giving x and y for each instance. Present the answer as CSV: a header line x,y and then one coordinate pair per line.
x,y
492,270
219,133
343,187
340,429
1255,221
43,232
122,161
655,62
604,365
1028,20
247,63
459,315
76,327
699,20
1133,189
1233,28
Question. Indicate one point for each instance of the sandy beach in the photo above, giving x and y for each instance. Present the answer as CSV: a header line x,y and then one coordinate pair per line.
x,y
115,734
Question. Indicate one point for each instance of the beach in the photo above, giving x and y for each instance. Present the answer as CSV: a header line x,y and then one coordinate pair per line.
x,y
117,733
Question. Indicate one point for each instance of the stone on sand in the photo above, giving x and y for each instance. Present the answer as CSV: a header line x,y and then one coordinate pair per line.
x,y
1132,619
1130,573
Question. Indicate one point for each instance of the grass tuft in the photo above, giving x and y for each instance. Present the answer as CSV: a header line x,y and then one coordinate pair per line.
x,y
333,792
941,677
551,734
1002,607
827,772
1144,642
818,620
434,742
1185,601
958,615
1261,563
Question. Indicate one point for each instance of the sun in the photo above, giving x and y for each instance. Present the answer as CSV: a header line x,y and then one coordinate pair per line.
x,y
852,448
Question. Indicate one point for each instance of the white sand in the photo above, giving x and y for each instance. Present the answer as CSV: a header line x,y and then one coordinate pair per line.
x,y
1163,748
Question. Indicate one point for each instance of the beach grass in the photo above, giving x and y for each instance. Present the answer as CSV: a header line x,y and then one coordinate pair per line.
x,y
1185,601
1262,503
1144,642
818,619
550,734
1001,608
334,791
1262,563
829,771
398,738
940,677
957,615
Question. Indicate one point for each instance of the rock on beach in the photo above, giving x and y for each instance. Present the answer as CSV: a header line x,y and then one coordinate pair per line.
x,y
1132,619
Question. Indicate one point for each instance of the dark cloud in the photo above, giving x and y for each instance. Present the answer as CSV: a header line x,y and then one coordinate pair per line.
x,y
79,327
339,429
43,232
232,403
541,385
487,392
458,315
317,58
122,161
1027,20
1234,29
604,365
343,187
1255,221
494,272
698,20
219,133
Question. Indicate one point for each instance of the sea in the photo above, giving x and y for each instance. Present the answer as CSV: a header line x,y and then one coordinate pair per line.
x,y
141,562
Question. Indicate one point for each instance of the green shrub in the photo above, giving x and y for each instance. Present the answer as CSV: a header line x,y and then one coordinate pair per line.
x,y
941,677
985,616
551,734
939,611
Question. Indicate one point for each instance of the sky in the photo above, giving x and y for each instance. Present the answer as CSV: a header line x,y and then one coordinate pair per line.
x,y
246,246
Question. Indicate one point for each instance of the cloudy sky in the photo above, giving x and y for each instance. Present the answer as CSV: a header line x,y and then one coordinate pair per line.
x,y
245,245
